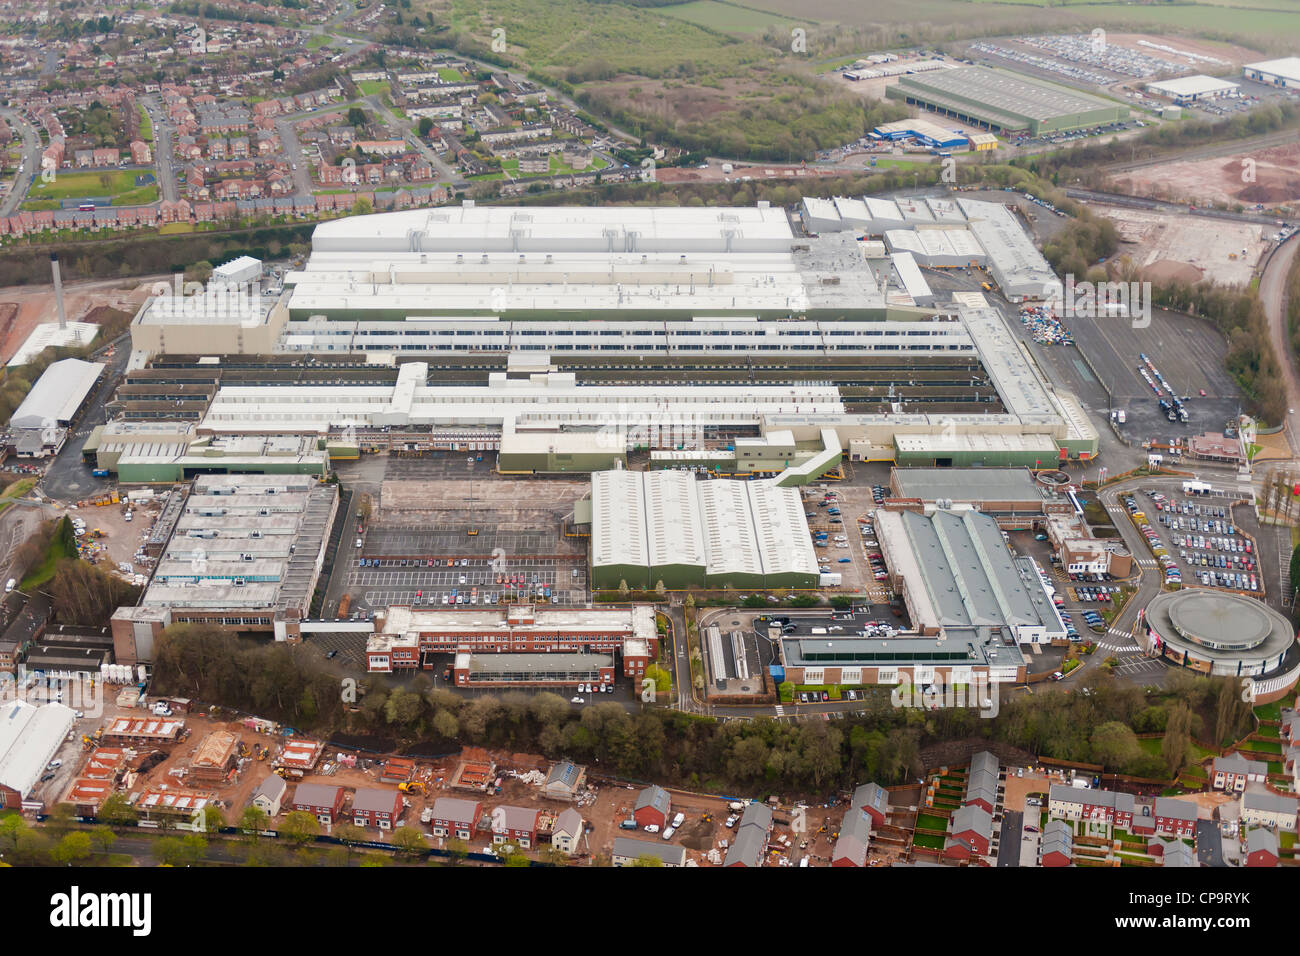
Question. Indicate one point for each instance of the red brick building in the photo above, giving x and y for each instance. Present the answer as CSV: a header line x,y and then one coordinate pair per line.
x,y
515,825
372,807
321,801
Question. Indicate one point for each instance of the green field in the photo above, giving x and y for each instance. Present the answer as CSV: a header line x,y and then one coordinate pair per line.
x,y
316,42
44,571
727,17
121,186
1266,23
450,75
374,87
146,125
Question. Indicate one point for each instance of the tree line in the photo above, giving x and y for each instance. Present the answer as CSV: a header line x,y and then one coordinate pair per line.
x,y
882,742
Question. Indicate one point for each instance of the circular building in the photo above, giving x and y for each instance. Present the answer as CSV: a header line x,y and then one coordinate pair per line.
x,y
1218,632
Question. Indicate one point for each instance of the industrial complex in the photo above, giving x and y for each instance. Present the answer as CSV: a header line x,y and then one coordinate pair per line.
x,y
1005,102
566,337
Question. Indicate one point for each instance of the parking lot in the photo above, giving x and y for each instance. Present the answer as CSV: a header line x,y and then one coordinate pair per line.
x,y
839,522
466,581
1197,541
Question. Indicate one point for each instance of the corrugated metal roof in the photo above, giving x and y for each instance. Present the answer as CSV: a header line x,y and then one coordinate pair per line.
x,y
57,394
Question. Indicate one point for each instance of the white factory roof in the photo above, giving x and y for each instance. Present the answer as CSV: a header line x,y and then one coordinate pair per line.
x,y
57,394
733,539
49,334
676,533
1197,85
1287,67
29,738
909,273
237,268
492,260
1013,257
618,520
541,401
474,228
750,527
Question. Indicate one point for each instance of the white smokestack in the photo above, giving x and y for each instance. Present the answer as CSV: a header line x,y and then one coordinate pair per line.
x,y
58,290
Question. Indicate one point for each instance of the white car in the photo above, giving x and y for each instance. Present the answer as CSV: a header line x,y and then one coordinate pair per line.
x,y
668,834
678,820
651,828
576,700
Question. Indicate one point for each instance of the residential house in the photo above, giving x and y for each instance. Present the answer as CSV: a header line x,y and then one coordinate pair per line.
x,y
653,807
854,840
982,781
873,800
566,835
1263,808
627,851
515,825
1057,845
752,832
324,802
1234,771
1172,852
970,833
1098,806
1175,817
1261,847
107,156
564,781
372,806
269,794
454,817
141,155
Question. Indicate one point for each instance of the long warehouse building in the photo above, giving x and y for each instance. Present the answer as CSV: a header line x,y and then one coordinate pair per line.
x,y
1005,102
655,527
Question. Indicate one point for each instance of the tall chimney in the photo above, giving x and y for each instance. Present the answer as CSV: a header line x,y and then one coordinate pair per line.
x,y
58,290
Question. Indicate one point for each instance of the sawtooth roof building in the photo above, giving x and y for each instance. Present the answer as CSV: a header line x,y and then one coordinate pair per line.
x,y
648,527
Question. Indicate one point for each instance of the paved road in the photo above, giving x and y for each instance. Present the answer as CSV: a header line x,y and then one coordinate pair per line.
x,y
68,477
31,161
1272,293
1013,822
164,157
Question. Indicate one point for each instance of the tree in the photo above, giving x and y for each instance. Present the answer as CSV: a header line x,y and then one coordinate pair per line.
x,y
624,590
356,116
456,850
445,724
350,834
253,821
1114,745
105,837
362,207
647,860
86,596
200,271
115,811
425,126
73,847
60,818
300,827
212,819
409,841
1178,738
517,859
179,851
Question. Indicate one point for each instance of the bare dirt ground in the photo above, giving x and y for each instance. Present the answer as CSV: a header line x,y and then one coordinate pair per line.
x,y
1166,246
1276,178
35,304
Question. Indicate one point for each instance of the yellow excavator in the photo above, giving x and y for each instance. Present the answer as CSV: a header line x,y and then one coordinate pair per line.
x,y
413,786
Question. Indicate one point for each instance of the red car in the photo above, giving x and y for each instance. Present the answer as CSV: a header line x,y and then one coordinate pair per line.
x,y
1202,393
